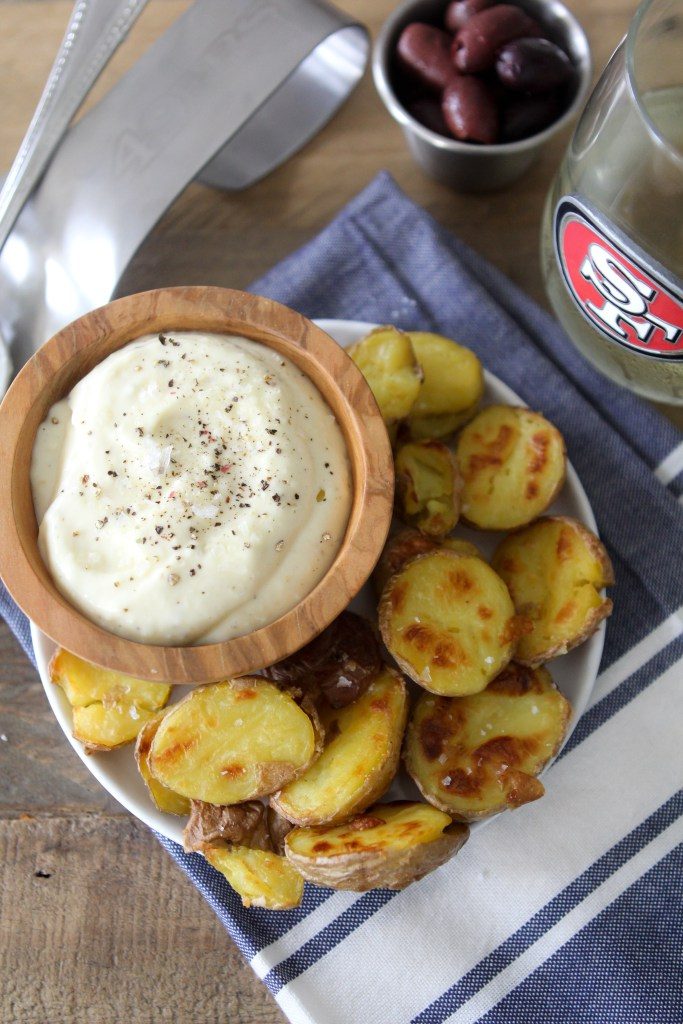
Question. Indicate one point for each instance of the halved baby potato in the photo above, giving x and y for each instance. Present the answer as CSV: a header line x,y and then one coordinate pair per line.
x,y
164,798
453,376
233,741
513,465
428,486
408,544
260,877
555,570
449,622
359,759
474,756
387,361
387,847
109,708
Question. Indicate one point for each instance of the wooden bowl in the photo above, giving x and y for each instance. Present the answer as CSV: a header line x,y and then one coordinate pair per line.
x,y
70,355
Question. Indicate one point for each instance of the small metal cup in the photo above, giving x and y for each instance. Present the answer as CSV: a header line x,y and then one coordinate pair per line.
x,y
468,166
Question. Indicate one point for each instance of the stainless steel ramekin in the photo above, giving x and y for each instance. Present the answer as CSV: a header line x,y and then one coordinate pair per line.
x,y
469,166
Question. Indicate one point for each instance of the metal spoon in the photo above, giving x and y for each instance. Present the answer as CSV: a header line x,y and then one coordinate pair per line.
x,y
96,29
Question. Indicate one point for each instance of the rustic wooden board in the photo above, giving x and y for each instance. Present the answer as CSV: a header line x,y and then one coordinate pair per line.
x,y
137,962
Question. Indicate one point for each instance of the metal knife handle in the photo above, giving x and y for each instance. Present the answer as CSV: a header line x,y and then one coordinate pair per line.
x,y
96,29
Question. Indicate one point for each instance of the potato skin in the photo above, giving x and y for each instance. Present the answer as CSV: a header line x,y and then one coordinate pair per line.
x,y
476,756
337,665
554,570
436,428
389,863
427,600
239,824
359,760
513,463
428,487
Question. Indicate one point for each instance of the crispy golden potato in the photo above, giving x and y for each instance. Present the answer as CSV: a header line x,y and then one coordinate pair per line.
x,y
233,741
513,464
449,622
338,664
388,847
408,544
555,570
453,376
359,760
430,428
109,708
474,756
239,824
387,361
262,878
164,798
428,486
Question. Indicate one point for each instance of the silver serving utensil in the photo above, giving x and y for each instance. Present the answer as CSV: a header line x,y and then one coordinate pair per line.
x,y
96,29
230,89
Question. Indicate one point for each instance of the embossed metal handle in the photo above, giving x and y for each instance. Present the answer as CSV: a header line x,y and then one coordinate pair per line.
x,y
228,92
96,29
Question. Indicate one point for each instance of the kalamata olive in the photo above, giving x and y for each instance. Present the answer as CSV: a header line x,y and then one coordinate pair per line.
x,y
470,110
533,66
428,112
460,11
424,52
523,116
477,43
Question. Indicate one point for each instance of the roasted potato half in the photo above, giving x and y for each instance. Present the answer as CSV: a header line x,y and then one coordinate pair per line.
x,y
474,756
387,361
388,847
109,708
233,741
408,544
359,760
513,465
555,570
428,486
164,798
260,877
449,622
453,376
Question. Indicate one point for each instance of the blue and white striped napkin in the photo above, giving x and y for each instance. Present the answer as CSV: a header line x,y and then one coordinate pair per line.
x,y
569,909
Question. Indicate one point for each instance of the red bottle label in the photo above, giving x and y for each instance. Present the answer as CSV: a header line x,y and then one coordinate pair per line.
x,y
623,293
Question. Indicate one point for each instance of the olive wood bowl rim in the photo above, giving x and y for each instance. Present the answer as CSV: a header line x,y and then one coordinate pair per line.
x,y
69,355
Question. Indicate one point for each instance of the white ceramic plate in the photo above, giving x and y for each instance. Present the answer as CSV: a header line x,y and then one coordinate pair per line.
x,y
574,673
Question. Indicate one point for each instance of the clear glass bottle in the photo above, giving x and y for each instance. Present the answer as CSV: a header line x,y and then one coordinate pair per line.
x,y
612,239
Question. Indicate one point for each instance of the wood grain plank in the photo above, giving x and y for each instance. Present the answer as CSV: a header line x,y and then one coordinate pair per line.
x,y
98,924
135,958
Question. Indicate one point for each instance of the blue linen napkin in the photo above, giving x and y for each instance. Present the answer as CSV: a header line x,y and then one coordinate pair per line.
x,y
570,909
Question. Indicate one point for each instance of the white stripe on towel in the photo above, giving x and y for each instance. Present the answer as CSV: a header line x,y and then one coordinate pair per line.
x,y
505,875
671,466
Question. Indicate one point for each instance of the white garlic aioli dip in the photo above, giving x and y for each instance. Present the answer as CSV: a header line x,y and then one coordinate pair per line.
x,y
191,488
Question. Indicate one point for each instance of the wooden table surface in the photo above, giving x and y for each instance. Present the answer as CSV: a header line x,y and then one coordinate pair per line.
x,y
97,924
